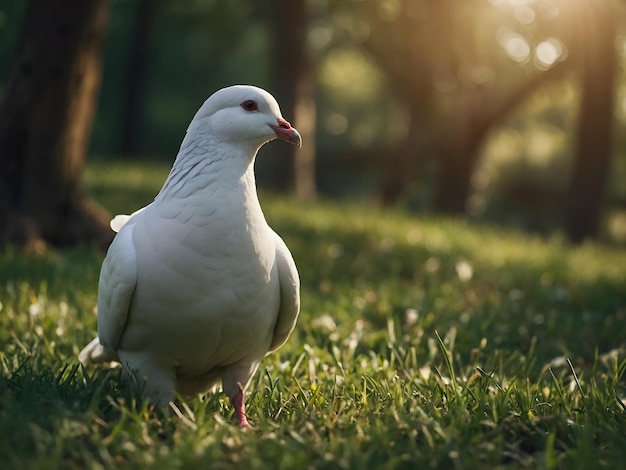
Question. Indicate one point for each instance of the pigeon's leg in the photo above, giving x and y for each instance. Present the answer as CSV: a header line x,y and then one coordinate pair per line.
x,y
160,390
235,380
240,410
157,381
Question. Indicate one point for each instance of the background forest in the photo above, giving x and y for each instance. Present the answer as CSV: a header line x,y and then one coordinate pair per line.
x,y
504,110
437,329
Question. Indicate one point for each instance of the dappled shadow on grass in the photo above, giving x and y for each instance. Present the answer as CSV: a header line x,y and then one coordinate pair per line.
x,y
422,342
42,390
73,417
42,409
433,410
428,274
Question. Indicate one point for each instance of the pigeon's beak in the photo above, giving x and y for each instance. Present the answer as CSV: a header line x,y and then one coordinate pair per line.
x,y
285,132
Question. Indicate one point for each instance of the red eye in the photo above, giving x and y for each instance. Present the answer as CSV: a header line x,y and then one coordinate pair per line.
x,y
249,105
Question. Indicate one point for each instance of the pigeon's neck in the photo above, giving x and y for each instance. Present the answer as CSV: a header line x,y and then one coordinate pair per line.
x,y
202,144
217,173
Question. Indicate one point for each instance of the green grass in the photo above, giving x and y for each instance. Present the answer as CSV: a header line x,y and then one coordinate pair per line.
x,y
423,342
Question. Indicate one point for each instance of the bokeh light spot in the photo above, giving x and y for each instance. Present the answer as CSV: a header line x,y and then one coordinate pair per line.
x,y
517,48
524,14
548,52
336,123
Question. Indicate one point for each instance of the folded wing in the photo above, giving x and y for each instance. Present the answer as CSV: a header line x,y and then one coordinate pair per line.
x,y
289,282
118,279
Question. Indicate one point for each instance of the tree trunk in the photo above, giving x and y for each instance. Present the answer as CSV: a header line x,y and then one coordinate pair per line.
x,y
583,206
132,88
46,117
461,149
458,159
404,159
292,168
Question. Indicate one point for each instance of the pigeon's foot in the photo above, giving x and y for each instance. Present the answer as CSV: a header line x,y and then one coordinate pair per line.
x,y
240,410
244,423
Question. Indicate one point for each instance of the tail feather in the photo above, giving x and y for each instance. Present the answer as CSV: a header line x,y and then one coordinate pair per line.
x,y
95,352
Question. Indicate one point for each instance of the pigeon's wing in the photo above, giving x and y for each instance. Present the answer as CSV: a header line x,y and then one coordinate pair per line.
x,y
118,278
289,295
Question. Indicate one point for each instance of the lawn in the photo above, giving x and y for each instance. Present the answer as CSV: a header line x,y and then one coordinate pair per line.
x,y
424,342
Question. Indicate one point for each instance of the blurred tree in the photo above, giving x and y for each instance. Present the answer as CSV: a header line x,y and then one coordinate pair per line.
x,y
294,80
594,23
463,65
435,54
45,122
188,49
134,82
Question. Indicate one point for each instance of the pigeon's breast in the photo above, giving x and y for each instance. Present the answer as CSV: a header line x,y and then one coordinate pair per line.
x,y
207,293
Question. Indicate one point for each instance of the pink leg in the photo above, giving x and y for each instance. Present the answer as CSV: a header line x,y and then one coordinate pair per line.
x,y
240,410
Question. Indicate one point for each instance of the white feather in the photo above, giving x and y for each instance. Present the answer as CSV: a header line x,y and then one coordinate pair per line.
x,y
196,287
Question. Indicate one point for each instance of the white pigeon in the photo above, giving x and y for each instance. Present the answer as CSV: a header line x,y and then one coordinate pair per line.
x,y
196,288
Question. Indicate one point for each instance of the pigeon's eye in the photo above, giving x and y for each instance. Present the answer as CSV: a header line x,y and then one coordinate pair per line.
x,y
250,105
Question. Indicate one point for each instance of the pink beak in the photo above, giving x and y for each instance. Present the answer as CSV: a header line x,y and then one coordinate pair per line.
x,y
285,132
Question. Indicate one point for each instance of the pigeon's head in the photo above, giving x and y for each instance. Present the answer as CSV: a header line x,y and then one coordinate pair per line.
x,y
243,115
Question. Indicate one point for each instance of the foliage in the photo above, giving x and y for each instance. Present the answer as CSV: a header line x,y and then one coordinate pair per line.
x,y
467,54
423,342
